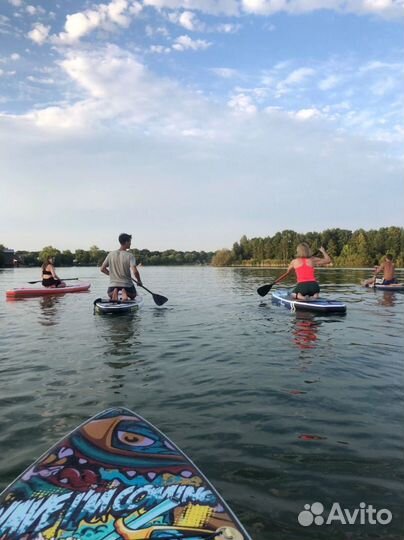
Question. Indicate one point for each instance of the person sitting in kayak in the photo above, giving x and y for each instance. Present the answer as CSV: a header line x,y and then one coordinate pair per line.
x,y
387,267
49,276
118,266
307,287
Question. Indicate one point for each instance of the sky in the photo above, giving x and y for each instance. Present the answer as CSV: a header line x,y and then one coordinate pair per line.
x,y
189,123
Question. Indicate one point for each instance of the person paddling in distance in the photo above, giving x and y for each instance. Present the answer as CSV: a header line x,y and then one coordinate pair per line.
x,y
49,276
307,287
388,269
118,266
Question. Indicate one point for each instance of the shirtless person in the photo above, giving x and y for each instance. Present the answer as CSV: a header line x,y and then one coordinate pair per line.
x,y
118,265
387,267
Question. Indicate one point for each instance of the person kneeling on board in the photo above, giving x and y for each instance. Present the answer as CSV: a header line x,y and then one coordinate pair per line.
x,y
387,267
307,287
118,266
49,276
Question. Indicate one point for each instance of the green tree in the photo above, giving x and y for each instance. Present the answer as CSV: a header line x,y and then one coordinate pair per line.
x,y
223,257
49,251
2,258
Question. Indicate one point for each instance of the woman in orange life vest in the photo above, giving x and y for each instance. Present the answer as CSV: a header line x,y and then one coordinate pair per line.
x,y
307,287
49,276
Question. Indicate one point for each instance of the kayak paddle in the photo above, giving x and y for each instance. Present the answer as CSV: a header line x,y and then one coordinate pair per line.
x,y
264,289
158,298
64,279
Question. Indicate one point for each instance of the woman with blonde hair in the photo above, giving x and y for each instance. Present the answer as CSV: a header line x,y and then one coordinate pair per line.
x,y
307,287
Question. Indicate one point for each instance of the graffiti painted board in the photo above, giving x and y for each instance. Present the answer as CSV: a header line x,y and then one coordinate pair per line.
x,y
115,477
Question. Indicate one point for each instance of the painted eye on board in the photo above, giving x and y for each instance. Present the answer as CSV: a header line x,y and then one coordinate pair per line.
x,y
134,439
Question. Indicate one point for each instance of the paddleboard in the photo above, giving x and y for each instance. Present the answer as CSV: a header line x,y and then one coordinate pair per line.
x,y
283,297
393,287
115,477
27,292
108,307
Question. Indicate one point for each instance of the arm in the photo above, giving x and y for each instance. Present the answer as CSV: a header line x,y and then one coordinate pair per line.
x,y
137,275
104,267
379,269
324,260
288,271
52,270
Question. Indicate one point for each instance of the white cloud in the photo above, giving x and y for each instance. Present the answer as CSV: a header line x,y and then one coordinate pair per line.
x,y
225,73
384,8
15,56
188,20
212,7
39,33
241,103
35,10
159,49
227,28
183,43
298,75
15,3
329,82
307,114
118,13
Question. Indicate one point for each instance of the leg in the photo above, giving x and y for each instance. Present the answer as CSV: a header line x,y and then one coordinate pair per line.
x,y
113,294
128,292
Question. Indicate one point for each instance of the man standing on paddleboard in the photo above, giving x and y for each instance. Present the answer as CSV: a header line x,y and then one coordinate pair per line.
x,y
118,266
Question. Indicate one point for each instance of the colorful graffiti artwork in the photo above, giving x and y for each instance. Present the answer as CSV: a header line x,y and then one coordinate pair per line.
x,y
115,477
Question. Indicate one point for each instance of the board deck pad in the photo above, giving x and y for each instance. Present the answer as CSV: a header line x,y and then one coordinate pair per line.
x,y
115,477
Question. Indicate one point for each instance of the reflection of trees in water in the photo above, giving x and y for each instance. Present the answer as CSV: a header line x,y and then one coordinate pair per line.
x,y
48,310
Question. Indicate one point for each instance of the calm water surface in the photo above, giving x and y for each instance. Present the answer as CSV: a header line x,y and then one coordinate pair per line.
x,y
278,409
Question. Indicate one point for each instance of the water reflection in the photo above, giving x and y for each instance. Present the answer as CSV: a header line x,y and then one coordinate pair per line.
x,y
120,334
48,310
305,331
388,299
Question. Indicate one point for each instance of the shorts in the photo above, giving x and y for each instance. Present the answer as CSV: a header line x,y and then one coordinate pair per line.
x,y
51,282
129,290
307,288
389,281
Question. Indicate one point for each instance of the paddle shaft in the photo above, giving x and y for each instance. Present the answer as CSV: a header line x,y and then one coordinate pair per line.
x,y
158,298
64,279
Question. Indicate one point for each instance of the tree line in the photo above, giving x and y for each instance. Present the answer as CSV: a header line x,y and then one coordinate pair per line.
x,y
347,248
94,256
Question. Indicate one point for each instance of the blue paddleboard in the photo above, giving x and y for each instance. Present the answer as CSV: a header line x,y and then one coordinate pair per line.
x,y
283,297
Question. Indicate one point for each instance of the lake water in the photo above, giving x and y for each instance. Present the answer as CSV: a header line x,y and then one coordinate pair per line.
x,y
278,409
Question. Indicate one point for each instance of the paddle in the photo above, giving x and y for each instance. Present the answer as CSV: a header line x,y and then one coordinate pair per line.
x,y
158,298
65,279
264,289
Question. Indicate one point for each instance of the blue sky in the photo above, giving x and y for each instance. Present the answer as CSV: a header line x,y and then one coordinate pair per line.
x,y
192,122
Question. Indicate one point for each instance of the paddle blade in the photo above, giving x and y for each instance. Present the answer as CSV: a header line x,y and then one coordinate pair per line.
x,y
32,282
159,299
264,289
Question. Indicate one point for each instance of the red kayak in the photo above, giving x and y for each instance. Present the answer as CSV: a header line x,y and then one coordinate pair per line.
x,y
26,292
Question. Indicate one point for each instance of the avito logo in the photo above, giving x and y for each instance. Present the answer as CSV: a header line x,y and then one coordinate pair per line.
x,y
366,514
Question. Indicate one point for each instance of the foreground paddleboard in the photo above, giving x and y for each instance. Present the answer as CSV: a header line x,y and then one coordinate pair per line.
x,y
283,297
115,477
108,307
26,292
